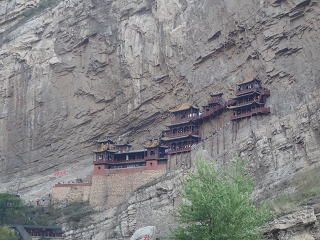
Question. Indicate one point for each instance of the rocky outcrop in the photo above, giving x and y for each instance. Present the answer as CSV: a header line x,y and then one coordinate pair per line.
x,y
156,204
144,233
302,225
86,69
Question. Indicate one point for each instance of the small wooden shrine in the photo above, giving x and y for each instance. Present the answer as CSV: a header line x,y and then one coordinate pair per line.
x,y
250,100
216,105
105,150
109,156
156,153
183,130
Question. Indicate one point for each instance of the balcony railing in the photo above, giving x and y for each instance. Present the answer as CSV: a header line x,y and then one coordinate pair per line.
x,y
179,150
259,89
151,157
114,162
244,103
255,111
212,111
213,101
186,119
183,134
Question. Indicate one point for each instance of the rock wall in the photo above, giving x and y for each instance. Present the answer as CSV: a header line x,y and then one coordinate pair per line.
x,y
89,69
154,206
114,188
151,206
77,192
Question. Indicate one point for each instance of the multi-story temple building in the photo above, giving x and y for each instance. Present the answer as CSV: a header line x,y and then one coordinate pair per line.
x,y
216,105
250,100
109,156
182,132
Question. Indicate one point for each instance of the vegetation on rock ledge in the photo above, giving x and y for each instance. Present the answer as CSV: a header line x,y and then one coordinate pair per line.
x,y
217,205
305,191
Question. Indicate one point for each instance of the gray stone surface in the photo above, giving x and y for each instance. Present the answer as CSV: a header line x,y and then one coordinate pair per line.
x,y
145,233
87,69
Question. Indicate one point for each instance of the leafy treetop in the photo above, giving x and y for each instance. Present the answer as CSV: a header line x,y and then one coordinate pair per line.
x,y
217,205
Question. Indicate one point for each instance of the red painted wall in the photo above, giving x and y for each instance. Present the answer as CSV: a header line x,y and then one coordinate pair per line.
x,y
148,166
100,171
153,165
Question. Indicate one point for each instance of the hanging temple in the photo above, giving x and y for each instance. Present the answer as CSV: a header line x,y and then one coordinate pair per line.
x,y
182,133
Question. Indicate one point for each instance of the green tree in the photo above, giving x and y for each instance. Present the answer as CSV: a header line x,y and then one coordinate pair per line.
x,y
7,234
217,205
11,208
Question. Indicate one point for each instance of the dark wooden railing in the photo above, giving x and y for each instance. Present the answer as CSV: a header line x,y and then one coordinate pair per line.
x,y
179,150
259,89
245,103
212,111
184,119
123,161
255,111
183,134
151,157
213,101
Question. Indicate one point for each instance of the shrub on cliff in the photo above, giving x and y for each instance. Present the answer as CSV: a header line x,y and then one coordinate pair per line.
x,y
7,234
217,205
11,209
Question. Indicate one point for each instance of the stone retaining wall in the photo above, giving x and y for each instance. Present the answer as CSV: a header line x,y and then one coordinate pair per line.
x,y
71,192
113,188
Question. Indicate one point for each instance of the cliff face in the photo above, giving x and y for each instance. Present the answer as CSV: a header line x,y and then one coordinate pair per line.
x,y
81,70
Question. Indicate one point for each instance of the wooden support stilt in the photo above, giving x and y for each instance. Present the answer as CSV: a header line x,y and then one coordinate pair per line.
x,y
224,145
176,158
217,142
236,127
232,130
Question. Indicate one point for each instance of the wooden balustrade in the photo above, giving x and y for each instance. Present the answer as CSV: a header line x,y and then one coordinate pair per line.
x,y
255,111
186,119
123,161
180,150
183,134
259,89
213,101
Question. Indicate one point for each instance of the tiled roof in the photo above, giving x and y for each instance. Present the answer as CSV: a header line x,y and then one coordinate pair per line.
x,y
248,81
184,106
245,95
241,106
179,123
103,148
180,137
216,94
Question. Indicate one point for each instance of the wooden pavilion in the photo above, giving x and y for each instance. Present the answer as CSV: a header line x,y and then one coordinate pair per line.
x,y
183,130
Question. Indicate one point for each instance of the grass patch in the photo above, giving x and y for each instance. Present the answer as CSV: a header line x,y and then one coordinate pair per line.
x,y
26,15
307,193
78,213
153,182
42,5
